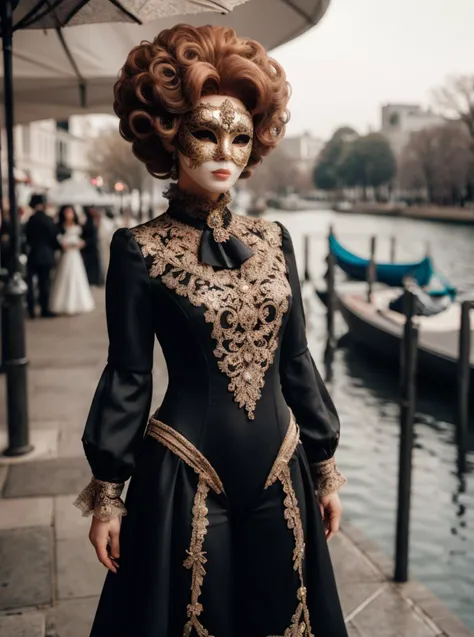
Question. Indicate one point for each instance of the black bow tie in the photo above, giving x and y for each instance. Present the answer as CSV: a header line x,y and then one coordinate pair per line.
x,y
230,253
218,247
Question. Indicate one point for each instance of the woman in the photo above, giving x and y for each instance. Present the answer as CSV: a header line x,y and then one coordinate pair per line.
x,y
223,534
71,293
91,249
105,230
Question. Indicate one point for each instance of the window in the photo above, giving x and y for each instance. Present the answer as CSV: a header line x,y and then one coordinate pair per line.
x,y
394,119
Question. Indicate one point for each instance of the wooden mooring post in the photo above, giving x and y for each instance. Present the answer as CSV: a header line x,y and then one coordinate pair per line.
x,y
331,310
408,363
307,272
330,288
464,372
393,249
371,270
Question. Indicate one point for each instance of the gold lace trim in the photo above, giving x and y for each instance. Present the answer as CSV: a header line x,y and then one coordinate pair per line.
x,y
300,622
102,499
208,478
326,477
196,560
245,306
185,450
285,453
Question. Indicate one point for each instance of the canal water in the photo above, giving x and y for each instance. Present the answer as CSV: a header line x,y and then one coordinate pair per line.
x,y
365,391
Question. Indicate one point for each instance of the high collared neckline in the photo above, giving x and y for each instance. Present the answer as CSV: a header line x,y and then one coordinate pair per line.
x,y
197,206
219,247
214,213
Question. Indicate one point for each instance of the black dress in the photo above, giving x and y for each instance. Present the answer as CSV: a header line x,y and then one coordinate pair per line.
x,y
223,535
91,253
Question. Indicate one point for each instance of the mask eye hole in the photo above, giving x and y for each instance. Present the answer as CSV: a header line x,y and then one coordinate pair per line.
x,y
241,140
204,135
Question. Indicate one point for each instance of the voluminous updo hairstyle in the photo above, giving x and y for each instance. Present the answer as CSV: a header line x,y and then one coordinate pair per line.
x,y
164,79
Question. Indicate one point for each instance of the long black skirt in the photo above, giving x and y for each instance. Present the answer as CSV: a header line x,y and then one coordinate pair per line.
x,y
192,565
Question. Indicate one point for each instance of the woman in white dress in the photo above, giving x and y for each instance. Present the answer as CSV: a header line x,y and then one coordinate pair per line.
x,y
71,292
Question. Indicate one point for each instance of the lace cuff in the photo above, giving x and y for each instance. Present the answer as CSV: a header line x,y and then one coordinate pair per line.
x,y
327,477
102,499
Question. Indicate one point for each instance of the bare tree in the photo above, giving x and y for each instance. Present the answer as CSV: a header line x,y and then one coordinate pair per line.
x,y
455,100
278,173
112,158
438,160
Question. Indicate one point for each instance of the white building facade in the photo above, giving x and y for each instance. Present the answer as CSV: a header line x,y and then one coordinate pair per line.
x,y
303,149
399,121
47,152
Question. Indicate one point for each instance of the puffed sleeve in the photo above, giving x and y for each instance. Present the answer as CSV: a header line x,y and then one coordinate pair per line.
x,y
304,389
121,404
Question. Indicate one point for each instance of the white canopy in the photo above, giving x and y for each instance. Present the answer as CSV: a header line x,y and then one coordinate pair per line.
x,y
42,14
47,86
78,193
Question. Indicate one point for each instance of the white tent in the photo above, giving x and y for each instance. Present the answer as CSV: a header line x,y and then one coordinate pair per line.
x,y
78,192
47,85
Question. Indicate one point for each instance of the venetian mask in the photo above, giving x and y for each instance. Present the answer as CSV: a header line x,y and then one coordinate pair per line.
x,y
215,142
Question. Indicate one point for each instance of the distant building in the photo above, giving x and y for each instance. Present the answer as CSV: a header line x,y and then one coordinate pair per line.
x,y
399,121
48,151
35,154
303,149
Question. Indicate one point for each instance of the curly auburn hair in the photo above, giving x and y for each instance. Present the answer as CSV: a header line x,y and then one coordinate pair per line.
x,y
164,79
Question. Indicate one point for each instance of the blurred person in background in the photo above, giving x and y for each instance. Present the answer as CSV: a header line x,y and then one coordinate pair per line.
x,y
5,237
106,227
91,249
41,243
71,292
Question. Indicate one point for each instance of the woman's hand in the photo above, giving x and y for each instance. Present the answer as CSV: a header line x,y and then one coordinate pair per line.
x,y
331,511
99,534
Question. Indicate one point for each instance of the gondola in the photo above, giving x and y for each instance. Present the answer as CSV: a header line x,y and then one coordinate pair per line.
x,y
386,274
381,329
391,274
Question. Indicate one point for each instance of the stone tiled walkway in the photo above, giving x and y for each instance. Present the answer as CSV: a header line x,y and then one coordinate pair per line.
x,y
49,577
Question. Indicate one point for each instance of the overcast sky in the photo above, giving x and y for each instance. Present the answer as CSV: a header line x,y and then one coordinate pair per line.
x,y
365,53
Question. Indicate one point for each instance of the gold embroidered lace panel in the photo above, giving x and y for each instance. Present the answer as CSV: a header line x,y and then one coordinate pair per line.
x,y
245,305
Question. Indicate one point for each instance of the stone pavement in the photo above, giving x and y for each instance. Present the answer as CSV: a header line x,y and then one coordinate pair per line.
x,y
49,577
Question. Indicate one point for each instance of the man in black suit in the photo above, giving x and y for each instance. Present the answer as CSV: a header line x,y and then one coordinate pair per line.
x,y
41,239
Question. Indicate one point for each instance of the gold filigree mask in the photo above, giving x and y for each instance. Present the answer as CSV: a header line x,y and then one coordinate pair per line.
x,y
216,133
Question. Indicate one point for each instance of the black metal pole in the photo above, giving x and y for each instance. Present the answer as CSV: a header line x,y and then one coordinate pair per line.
x,y
3,272
464,371
307,275
3,335
15,287
408,362
371,272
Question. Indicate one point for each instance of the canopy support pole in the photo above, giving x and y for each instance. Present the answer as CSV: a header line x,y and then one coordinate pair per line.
x,y
14,292
72,61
